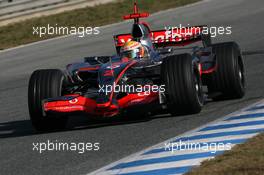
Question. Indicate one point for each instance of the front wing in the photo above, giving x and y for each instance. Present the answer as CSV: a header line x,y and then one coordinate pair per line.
x,y
78,103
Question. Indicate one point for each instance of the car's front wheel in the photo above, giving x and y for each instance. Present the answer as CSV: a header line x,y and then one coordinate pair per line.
x,y
183,84
45,84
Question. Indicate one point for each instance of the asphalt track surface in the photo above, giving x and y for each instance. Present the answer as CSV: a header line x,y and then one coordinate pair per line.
x,y
120,138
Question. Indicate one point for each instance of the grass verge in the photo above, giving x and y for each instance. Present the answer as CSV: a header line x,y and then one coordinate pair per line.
x,y
21,33
244,159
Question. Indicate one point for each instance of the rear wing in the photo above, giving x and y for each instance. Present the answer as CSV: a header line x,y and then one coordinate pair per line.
x,y
163,38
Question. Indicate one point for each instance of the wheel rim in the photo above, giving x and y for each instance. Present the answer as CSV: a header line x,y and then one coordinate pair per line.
x,y
241,76
198,88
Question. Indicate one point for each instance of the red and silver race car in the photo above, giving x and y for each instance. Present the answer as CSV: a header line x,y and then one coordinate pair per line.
x,y
169,78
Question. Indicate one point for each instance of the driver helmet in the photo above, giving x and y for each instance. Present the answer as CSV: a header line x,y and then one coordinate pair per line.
x,y
132,50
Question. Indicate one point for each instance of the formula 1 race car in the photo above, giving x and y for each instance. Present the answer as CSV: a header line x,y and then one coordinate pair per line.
x,y
169,78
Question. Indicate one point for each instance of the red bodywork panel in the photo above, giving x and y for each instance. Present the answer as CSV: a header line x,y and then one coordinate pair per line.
x,y
89,106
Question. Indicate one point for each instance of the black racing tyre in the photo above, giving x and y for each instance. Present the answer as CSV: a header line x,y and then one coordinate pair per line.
x,y
229,77
43,84
183,86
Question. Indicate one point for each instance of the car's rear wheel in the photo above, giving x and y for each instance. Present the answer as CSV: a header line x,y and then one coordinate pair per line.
x,y
45,84
181,77
229,78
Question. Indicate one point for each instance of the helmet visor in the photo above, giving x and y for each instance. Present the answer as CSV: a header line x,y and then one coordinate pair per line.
x,y
131,54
